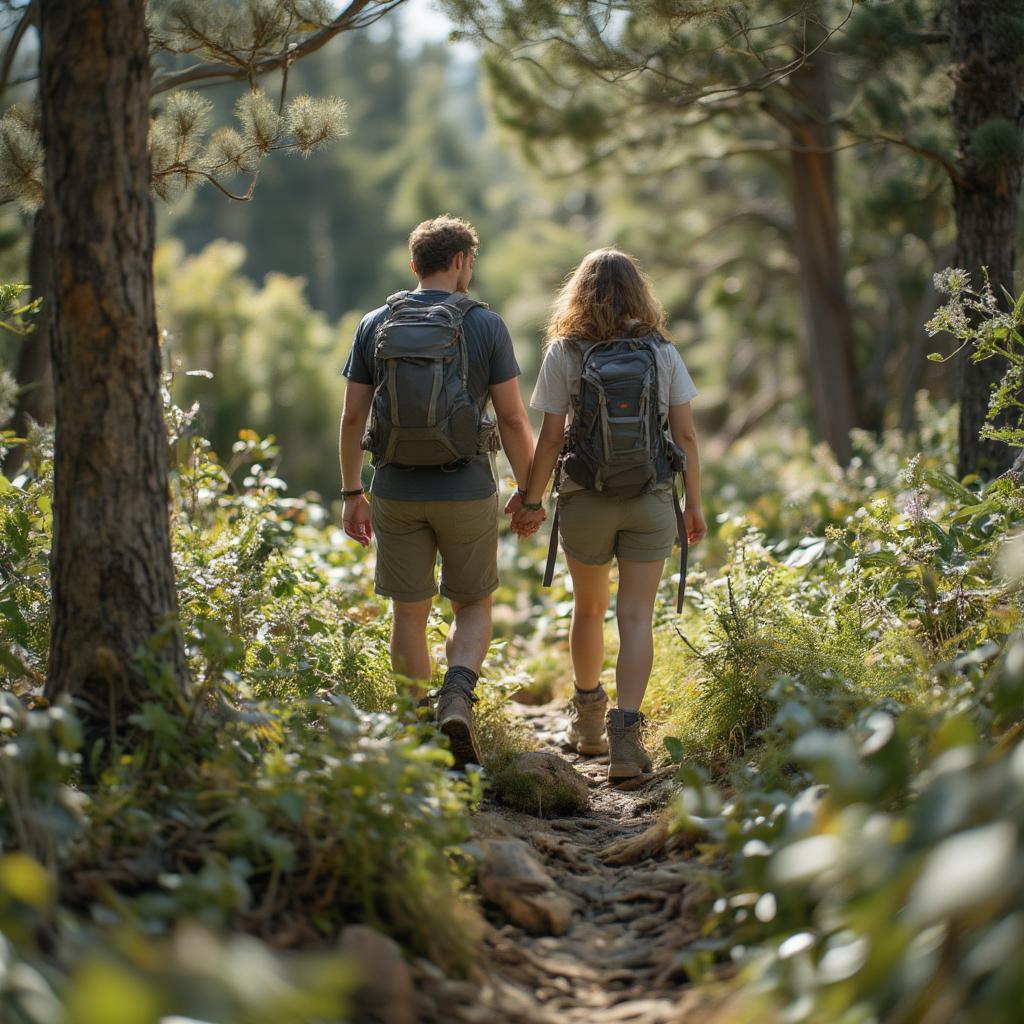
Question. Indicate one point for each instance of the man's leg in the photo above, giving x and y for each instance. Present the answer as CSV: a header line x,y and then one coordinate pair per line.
x,y
470,635
467,533
406,557
468,640
409,654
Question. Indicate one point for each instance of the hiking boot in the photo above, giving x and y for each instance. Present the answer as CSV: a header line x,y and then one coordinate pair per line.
x,y
627,757
585,733
455,720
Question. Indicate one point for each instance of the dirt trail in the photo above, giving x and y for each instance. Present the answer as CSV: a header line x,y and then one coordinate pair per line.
x,y
632,914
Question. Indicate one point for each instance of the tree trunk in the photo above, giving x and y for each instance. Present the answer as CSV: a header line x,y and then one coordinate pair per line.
x,y
988,116
32,371
111,569
828,325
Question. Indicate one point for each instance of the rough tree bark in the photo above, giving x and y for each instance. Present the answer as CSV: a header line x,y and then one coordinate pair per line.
x,y
111,569
32,370
828,323
988,72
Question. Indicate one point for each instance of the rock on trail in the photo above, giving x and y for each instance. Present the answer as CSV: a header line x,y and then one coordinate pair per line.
x,y
588,914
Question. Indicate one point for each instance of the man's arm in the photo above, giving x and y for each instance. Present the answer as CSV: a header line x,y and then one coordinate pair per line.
x,y
358,398
514,428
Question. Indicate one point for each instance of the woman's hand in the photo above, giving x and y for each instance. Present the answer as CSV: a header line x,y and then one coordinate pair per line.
x,y
526,522
693,520
356,519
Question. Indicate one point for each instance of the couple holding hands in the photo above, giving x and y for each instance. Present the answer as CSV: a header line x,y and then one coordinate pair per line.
x,y
420,375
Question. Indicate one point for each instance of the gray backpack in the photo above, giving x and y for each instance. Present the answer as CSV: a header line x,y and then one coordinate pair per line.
x,y
422,413
618,443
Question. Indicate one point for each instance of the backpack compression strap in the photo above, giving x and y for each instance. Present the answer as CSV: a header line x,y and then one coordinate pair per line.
x,y
684,548
549,569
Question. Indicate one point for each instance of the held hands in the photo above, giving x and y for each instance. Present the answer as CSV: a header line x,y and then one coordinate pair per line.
x,y
526,522
356,519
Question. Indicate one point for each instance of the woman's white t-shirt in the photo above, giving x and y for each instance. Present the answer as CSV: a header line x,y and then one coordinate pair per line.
x,y
559,377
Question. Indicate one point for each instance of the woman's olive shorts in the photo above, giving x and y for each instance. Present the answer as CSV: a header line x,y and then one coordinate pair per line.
x,y
595,527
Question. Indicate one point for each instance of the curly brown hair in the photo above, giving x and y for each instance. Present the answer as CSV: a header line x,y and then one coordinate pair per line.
x,y
435,243
607,296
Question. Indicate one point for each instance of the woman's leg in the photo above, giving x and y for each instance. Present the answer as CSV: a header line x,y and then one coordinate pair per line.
x,y
586,638
638,590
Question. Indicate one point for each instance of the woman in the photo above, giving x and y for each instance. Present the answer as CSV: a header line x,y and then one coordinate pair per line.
x,y
606,299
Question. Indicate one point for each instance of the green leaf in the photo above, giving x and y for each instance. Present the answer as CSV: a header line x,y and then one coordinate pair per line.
x,y
14,664
950,486
675,750
26,880
878,558
103,992
973,510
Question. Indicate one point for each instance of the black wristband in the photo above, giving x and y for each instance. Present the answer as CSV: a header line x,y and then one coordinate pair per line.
x,y
533,508
354,493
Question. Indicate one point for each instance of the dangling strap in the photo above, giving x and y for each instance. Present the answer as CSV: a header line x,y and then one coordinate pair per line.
x,y
684,546
549,569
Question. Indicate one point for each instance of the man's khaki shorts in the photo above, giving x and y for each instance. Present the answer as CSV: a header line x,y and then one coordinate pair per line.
x,y
595,527
410,534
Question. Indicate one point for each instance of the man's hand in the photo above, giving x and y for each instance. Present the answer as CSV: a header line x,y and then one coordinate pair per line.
x,y
356,519
526,522
696,528
514,504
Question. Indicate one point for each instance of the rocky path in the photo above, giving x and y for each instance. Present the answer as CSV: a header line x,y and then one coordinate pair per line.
x,y
587,915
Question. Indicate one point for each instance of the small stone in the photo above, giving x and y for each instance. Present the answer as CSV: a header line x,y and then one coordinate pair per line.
x,y
542,783
514,879
386,994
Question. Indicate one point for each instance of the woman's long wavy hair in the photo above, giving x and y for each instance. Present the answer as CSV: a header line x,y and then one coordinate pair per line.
x,y
607,296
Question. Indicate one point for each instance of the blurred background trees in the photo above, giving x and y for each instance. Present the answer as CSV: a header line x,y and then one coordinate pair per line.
x,y
792,214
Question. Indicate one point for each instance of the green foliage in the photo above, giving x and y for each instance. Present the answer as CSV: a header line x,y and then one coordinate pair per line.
x,y
989,329
870,817
283,797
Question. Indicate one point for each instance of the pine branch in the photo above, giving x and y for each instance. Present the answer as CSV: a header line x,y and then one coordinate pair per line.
x,y
355,16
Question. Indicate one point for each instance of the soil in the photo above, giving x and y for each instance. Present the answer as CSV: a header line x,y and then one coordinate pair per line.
x,y
634,894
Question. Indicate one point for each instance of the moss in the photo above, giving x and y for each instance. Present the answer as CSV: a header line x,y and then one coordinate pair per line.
x,y
525,792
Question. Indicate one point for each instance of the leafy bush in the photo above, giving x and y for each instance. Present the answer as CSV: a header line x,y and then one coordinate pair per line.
x,y
288,794
874,825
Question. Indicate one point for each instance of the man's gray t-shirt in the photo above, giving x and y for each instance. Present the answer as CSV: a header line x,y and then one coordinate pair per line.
x,y
491,361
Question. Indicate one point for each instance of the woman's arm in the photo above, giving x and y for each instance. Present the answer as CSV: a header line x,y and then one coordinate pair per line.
x,y
549,447
684,433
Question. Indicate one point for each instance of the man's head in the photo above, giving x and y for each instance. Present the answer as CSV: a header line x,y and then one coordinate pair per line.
x,y
444,245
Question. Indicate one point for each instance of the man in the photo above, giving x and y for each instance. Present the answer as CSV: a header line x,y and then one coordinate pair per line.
x,y
421,510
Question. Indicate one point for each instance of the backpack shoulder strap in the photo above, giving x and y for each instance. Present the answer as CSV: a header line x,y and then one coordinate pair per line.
x,y
463,302
397,299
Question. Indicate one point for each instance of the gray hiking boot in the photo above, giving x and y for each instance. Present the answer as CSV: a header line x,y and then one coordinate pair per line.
x,y
627,757
585,733
455,720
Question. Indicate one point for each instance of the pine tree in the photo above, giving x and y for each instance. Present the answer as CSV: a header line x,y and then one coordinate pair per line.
x,y
987,48
104,158
192,42
652,85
